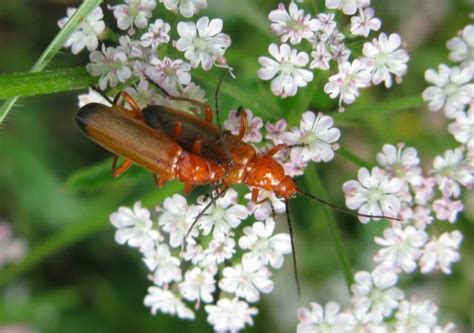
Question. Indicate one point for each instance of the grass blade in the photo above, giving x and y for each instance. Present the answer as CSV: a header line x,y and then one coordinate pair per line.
x,y
53,47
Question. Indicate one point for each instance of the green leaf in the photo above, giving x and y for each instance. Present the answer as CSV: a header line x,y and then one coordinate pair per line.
x,y
47,82
53,48
93,219
99,176
381,108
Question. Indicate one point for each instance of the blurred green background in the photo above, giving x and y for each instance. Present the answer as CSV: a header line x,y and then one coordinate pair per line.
x,y
57,192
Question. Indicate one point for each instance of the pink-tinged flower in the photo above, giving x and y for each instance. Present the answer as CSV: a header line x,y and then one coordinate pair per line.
x,y
287,71
133,12
422,217
374,194
144,93
171,74
416,316
451,90
166,302
296,164
463,128
202,42
340,53
187,8
134,227
326,23
317,135
224,215
158,33
230,315
198,285
247,280
321,57
425,191
219,250
11,249
292,25
162,264
402,247
452,171
176,218
111,65
254,124
386,57
132,48
193,253
263,245
360,322
462,47
319,319
376,292
362,25
87,34
348,7
441,252
268,205
447,209
275,131
401,162
347,81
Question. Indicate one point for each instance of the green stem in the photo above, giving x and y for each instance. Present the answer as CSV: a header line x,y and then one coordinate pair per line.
x,y
45,82
316,186
53,48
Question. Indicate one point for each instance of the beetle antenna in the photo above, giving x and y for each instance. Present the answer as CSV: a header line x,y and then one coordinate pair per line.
x,y
216,98
341,209
201,213
101,93
218,116
293,249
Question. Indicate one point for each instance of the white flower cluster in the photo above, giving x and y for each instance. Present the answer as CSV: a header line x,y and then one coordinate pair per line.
x,y
453,87
138,53
216,264
377,306
398,188
290,69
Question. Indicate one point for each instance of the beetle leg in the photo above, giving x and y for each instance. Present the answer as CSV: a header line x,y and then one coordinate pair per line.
x,y
255,192
275,149
178,130
117,171
159,181
243,122
188,187
135,107
197,147
205,108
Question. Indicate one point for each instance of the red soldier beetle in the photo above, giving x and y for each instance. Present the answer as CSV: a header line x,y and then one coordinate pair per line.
x,y
124,133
